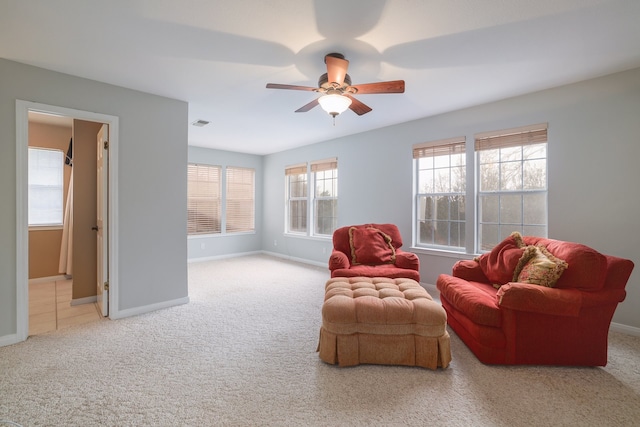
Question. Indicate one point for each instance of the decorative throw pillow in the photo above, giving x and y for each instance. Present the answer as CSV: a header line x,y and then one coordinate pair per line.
x,y
529,252
542,268
370,246
500,264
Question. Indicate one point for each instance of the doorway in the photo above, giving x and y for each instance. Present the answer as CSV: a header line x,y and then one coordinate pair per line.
x,y
110,183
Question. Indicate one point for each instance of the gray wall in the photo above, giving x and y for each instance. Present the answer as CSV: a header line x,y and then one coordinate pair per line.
x,y
215,246
594,147
152,182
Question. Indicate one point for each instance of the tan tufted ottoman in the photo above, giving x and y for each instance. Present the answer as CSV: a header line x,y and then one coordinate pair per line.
x,y
382,321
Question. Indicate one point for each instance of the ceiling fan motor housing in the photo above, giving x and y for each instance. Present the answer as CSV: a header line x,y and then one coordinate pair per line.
x,y
324,83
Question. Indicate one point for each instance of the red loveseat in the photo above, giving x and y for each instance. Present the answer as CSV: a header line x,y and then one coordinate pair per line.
x,y
505,321
372,250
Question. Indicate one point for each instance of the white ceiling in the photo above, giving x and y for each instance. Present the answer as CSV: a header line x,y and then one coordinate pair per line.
x,y
219,55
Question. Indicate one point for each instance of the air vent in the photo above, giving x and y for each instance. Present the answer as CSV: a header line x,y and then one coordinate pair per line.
x,y
200,123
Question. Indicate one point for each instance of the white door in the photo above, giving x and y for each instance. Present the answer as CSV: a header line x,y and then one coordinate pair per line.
x,y
102,284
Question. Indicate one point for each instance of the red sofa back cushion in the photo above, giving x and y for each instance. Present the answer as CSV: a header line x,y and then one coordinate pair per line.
x,y
371,246
587,268
341,236
500,264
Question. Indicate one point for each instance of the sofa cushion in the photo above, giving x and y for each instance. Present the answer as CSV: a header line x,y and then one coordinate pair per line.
x,y
541,268
586,269
500,264
370,246
475,300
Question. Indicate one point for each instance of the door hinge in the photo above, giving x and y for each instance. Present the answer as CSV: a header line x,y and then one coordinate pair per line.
x,y
106,145
106,286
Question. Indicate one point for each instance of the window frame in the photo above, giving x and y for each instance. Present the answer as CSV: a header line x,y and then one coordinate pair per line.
x,y
323,167
249,220
32,187
217,212
311,172
538,210
296,172
449,147
522,138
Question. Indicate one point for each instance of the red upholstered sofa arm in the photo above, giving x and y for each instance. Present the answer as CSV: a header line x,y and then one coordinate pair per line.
x,y
407,260
338,260
470,271
552,301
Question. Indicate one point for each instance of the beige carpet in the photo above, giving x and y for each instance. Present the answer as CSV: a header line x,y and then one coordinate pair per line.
x,y
242,353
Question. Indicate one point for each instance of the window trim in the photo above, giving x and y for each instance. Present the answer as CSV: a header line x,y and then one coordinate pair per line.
x,y
309,170
297,169
314,168
252,218
514,137
448,146
530,134
213,232
51,225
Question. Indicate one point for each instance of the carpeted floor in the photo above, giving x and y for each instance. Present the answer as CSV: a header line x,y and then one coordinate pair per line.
x,y
242,353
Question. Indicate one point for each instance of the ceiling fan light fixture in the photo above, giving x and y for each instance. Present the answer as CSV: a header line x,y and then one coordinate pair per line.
x,y
334,104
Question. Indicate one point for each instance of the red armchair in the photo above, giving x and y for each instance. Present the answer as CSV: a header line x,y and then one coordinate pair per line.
x,y
372,250
505,321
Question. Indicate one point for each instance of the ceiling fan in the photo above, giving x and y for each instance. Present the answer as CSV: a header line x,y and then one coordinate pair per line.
x,y
337,91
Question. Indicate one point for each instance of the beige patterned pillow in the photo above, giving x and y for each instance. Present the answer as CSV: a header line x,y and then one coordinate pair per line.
x,y
542,268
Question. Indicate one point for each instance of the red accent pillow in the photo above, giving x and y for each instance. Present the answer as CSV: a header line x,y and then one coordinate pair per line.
x,y
500,264
370,246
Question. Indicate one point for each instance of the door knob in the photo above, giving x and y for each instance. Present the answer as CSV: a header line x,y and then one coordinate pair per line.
x,y
94,228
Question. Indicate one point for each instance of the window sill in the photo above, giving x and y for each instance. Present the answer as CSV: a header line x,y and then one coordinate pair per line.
x,y
442,253
307,237
45,227
215,235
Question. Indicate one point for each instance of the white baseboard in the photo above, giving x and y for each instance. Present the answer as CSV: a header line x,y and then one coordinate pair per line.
x,y
148,308
86,300
302,260
225,256
9,340
625,329
275,254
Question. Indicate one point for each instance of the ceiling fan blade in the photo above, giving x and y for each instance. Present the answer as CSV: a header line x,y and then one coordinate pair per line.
x,y
308,106
394,86
336,69
291,87
358,107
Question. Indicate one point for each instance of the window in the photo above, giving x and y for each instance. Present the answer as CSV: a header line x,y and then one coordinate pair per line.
x,y
296,177
325,197
240,197
203,199
440,193
512,184
46,187
312,197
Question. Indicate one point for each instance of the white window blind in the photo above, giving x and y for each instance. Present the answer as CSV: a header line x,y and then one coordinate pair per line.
x,y
444,147
240,211
203,199
46,187
525,135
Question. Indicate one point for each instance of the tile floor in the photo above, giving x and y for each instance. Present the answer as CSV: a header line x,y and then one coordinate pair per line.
x,y
50,307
